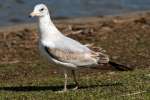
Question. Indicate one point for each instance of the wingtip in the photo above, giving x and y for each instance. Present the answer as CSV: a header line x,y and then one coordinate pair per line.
x,y
121,67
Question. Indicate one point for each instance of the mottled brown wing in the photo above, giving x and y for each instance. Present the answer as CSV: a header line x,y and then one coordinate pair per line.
x,y
77,58
101,57
98,53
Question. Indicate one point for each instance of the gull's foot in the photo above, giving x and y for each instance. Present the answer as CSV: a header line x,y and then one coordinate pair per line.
x,y
75,88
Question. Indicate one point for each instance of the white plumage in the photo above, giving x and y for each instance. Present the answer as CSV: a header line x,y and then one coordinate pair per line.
x,y
61,50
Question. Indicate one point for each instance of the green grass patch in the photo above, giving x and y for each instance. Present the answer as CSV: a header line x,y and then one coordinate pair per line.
x,y
35,82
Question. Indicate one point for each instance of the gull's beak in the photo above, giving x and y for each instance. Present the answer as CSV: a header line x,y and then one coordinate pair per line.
x,y
33,14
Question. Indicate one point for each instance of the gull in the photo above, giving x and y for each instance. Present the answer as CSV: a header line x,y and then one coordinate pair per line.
x,y
63,51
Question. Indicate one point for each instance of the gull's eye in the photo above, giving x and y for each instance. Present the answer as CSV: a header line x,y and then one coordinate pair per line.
x,y
41,9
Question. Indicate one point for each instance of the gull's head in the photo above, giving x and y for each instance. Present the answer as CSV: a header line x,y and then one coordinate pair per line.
x,y
39,10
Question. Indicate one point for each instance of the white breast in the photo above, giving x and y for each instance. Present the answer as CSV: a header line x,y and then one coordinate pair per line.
x,y
48,43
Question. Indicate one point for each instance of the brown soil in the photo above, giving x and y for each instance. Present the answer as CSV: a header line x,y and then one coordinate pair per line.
x,y
125,38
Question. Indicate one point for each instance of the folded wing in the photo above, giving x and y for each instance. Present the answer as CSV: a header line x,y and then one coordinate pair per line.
x,y
70,56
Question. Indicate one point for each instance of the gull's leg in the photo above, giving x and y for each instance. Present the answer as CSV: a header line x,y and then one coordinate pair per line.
x,y
65,82
75,79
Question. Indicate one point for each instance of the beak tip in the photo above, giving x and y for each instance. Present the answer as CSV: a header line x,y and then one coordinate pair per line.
x,y
30,16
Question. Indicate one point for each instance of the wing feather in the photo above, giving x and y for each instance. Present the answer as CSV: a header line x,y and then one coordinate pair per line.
x,y
69,56
70,51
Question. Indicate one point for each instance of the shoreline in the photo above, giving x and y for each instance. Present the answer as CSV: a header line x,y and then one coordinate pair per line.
x,y
126,17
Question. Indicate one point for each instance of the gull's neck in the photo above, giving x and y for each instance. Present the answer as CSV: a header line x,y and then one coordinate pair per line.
x,y
48,31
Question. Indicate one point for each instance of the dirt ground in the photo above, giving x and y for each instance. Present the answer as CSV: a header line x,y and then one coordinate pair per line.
x,y
125,38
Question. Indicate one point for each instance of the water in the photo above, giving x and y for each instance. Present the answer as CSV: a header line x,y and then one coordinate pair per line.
x,y
17,11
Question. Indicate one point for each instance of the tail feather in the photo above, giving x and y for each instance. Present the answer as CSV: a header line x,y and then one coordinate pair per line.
x,y
120,67
104,59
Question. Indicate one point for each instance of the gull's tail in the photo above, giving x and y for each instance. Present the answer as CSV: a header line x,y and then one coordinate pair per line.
x,y
120,67
104,59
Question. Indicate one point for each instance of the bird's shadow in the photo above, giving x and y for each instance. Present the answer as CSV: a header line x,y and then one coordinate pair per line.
x,y
52,88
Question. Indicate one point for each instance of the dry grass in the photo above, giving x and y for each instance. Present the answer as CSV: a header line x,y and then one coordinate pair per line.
x,y
24,74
